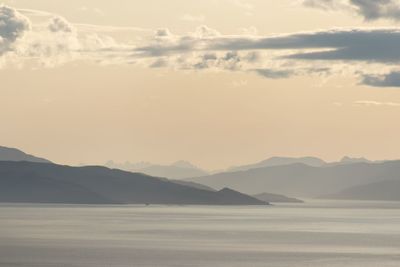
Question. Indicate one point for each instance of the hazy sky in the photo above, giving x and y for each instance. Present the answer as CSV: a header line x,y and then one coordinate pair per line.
x,y
215,82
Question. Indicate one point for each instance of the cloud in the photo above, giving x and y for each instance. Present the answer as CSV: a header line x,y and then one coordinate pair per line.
x,y
159,63
373,45
371,103
282,56
325,4
204,31
368,9
251,31
163,33
377,45
359,52
227,61
165,43
391,79
13,26
60,24
93,28
377,9
274,74
53,42
34,12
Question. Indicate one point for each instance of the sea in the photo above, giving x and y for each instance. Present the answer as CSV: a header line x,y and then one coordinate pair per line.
x,y
315,233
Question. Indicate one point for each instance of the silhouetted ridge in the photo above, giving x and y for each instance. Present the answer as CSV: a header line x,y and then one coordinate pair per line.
x,y
236,197
51,183
13,154
268,197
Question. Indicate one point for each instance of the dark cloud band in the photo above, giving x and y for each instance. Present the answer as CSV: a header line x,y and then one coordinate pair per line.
x,y
369,9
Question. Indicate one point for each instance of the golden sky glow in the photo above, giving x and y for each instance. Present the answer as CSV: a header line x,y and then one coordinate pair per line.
x,y
79,111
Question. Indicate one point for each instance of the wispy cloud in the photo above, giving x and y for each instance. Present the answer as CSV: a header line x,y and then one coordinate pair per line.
x,y
371,103
34,12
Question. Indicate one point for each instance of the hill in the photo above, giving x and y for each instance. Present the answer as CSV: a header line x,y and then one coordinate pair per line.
x,y
13,154
275,198
50,183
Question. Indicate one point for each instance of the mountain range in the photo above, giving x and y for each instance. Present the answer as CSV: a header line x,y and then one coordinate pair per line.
x,y
183,169
279,161
306,181
177,170
26,178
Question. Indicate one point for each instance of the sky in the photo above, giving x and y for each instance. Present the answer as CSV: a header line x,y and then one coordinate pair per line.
x,y
214,82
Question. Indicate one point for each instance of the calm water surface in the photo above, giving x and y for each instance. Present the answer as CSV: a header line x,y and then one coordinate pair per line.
x,y
313,234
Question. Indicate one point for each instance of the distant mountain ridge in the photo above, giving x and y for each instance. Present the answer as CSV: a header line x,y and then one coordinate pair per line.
x,y
310,161
177,170
183,169
13,154
301,180
350,160
350,178
50,183
279,161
